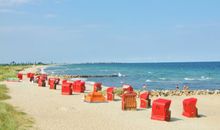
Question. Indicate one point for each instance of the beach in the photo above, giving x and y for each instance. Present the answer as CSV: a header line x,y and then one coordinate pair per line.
x,y
53,111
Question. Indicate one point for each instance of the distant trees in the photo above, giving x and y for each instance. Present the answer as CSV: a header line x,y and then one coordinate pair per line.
x,y
22,63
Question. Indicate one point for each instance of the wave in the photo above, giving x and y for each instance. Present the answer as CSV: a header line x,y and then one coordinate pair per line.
x,y
189,79
202,78
148,80
162,78
121,75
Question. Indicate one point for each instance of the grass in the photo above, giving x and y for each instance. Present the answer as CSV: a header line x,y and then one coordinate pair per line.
x,y
3,91
10,117
10,71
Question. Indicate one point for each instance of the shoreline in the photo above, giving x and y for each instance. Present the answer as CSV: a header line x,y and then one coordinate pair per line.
x,y
154,92
53,111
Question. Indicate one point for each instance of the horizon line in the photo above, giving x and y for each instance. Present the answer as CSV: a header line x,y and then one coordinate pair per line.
x,y
114,62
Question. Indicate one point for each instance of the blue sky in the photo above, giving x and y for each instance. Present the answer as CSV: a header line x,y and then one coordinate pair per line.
x,y
74,31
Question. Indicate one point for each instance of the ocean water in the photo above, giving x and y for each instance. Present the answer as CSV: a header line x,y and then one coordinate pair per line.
x,y
197,75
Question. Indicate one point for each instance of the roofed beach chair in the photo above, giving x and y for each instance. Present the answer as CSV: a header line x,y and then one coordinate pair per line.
x,y
145,101
110,94
78,86
129,101
20,76
42,81
97,87
96,96
160,109
66,89
189,107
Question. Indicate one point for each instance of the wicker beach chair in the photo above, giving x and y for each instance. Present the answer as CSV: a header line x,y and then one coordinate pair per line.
x,y
129,101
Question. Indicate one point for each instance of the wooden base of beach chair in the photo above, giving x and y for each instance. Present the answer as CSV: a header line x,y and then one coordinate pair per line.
x,y
95,97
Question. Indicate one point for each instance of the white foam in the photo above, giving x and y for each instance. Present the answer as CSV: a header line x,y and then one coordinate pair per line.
x,y
148,80
189,79
121,75
162,78
204,78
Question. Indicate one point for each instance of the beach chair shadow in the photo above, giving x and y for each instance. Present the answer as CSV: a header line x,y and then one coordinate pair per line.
x,y
174,119
117,100
140,109
201,116
76,93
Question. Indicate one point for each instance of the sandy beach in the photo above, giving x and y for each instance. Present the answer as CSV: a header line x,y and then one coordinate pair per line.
x,y
53,111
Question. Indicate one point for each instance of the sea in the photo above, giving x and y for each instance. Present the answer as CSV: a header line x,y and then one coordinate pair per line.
x,y
157,76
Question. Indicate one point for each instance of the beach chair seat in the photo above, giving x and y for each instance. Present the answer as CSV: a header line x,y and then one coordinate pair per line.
x,y
129,101
94,97
110,93
189,107
66,89
145,101
160,110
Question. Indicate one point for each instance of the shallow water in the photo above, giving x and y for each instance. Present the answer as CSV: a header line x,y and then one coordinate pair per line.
x,y
197,75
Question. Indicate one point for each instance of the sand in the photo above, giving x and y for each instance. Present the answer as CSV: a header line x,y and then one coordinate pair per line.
x,y
53,111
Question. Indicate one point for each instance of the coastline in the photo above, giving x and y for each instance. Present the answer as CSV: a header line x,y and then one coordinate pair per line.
x,y
53,111
154,93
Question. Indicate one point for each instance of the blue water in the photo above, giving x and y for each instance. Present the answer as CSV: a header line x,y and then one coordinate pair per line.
x,y
197,75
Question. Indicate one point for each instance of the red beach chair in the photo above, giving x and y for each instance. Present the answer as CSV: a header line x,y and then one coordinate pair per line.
x,y
28,75
64,81
129,101
20,76
110,94
31,77
52,83
97,87
66,89
78,86
42,81
145,100
160,109
44,75
189,107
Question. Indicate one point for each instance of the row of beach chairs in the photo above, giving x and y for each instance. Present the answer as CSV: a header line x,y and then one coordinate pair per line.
x,y
160,106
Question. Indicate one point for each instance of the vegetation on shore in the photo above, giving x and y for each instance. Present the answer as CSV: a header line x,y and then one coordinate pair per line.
x,y
10,117
10,71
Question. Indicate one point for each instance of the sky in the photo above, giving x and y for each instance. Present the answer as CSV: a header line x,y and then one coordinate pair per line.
x,y
76,31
